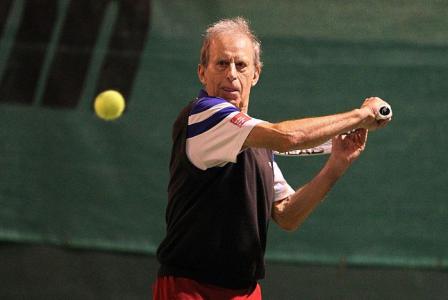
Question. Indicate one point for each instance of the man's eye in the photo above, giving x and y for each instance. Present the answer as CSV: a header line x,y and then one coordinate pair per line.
x,y
222,63
241,65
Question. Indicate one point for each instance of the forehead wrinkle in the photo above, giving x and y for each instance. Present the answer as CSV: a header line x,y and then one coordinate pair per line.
x,y
238,50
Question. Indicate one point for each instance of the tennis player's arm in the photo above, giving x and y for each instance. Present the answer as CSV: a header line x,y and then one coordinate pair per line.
x,y
290,212
308,132
311,132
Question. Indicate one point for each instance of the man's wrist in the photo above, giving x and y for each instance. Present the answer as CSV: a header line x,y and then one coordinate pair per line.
x,y
365,113
335,168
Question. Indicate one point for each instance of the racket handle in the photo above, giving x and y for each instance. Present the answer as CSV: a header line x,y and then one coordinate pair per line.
x,y
384,112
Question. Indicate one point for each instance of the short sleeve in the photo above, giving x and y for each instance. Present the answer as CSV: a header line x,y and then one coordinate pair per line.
x,y
281,187
216,132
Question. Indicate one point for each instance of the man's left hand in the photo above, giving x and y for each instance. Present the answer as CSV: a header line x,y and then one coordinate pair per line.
x,y
346,148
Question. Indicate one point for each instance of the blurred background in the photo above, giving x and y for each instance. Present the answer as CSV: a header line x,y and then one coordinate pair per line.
x,y
82,200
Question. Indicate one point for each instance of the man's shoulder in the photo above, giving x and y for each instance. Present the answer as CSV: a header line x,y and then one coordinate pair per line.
x,y
206,103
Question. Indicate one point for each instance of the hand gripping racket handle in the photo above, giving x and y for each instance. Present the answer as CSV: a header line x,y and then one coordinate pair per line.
x,y
384,112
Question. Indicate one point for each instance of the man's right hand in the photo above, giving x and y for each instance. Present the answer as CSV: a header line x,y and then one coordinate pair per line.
x,y
371,107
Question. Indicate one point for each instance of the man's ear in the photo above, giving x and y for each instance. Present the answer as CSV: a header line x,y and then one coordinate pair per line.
x,y
256,76
201,74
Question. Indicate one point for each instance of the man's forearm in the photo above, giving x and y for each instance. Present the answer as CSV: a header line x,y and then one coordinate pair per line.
x,y
291,212
304,133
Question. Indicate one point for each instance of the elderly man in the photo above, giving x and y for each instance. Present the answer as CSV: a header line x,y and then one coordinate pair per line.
x,y
224,185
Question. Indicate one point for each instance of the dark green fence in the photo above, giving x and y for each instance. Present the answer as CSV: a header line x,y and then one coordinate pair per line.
x,y
70,179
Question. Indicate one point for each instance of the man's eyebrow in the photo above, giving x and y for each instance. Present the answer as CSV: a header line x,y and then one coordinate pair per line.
x,y
236,59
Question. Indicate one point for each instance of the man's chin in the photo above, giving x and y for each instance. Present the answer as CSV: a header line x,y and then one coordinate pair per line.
x,y
232,98
233,101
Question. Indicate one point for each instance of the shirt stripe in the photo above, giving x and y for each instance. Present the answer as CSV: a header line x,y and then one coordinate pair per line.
x,y
198,117
205,104
201,127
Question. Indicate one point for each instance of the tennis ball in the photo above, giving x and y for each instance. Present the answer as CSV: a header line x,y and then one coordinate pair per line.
x,y
109,105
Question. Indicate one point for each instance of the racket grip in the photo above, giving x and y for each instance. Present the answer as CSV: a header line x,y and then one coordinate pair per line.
x,y
384,112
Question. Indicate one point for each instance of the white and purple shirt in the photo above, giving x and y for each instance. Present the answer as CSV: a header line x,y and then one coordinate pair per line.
x,y
215,136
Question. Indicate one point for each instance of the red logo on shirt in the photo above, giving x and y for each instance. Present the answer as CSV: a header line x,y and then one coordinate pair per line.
x,y
239,119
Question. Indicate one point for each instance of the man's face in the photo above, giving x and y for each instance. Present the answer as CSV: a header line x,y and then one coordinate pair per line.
x,y
231,72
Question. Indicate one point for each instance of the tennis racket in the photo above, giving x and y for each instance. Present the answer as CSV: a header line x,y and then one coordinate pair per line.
x,y
383,113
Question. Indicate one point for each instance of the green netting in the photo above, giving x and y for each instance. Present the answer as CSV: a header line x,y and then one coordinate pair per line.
x,y
68,178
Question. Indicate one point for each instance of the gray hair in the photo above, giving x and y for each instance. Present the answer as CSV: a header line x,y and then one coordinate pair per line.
x,y
235,25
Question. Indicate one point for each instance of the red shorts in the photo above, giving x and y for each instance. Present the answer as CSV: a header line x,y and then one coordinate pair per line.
x,y
177,288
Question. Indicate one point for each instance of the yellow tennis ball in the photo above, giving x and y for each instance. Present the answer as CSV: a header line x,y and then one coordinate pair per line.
x,y
109,105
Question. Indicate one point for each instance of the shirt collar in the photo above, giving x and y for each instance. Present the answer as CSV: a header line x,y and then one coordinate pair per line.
x,y
202,94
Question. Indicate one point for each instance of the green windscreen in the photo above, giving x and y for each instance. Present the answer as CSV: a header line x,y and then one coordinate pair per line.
x,y
71,179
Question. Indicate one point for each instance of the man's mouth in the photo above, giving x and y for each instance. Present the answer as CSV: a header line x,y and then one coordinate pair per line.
x,y
230,90
230,93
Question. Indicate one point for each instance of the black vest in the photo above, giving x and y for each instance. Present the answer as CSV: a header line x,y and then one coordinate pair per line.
x,y
217,219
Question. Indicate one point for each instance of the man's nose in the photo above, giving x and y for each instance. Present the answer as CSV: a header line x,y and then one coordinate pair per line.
x,y
231,72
